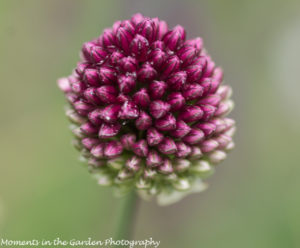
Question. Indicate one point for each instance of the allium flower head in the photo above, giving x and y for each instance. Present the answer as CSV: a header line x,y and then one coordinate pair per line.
x,y
148,109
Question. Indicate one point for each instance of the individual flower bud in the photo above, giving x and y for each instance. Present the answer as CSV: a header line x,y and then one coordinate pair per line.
x,y
166,167
187,54
159,108
107,93
181,130
88,143
124,38
148,28
157,58
224,108
220,125
177,80
167,146
98,55
153,159
197,43
137,18
207,127
196,153
78,87
209,145
230,146
162,29
91,95
182,184
154,137
108,38
217,156
98,151
129,110
77,132
107,75
166,123
126,83
75,117
88,128
213,100
90,76
140,148
195,136
82,108
176,101
141,98
128,64
139,47
113,149
206,85
194,73
158,45
146,73
192,91
223,140
81,66
157,89
208,112
181,164
209,68
86,50
175,37
95,117
218,74
133,164
96,163
171,64
202,167
64,85
116,57
224,91
128,140
144,121
116,163
191,113
183,150
109,130
121,98
110,113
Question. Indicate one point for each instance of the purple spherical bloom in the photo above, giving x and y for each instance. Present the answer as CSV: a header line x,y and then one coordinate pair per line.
x,y
148,107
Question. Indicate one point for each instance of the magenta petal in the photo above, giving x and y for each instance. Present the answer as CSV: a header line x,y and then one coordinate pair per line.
x,y
183,150
187,54
94,117
116,57
209,145
154,137
88,128
166,167
175,37
128,64
128,140
146,73
167,146
137,18
90,76
126,83
177,80
213,100
109,130
159,108
194,73
82,108
157,89
162,29
176,100
140,148
191,113
107,93
88,143
197,43
108,38
144,121
170,66
78,87
91,95
139,47
153,159
141,98
129,110
107,75
195,136
207,127
208,112
98,151
113,149
192,91
166,123
148,29
110,113
181,130
157,58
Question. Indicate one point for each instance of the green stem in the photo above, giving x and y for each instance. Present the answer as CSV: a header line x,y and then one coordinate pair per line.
x,y
127,217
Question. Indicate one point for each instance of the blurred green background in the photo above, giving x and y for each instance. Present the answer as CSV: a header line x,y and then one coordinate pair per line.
x,y
253,199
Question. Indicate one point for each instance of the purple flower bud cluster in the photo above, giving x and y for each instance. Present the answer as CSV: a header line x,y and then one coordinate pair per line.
x,y
146,101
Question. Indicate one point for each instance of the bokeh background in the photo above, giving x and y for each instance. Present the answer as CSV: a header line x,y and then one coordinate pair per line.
x,y
253,199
